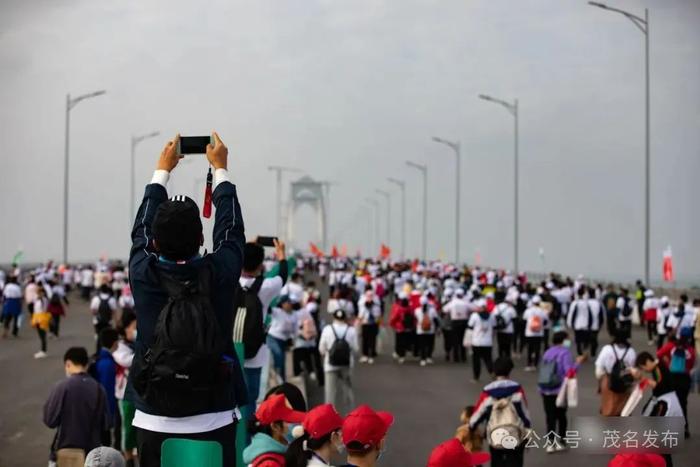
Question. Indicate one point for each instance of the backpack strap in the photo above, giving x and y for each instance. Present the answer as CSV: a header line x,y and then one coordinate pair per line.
x,y
256,285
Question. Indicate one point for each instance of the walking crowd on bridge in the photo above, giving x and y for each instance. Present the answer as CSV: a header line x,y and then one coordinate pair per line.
x,y
193,347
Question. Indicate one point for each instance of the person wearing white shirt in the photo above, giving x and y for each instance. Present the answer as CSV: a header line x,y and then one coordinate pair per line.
x,y
102,306
535,319
580,319
11,306
624,313
504,315
369,312
338,387
684,316
458,311
611,403
281,332
598,314
427,321
650,308
482,324
664,323
87,280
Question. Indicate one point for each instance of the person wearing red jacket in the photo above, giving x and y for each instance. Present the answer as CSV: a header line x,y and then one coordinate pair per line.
x,y
403,322
679,350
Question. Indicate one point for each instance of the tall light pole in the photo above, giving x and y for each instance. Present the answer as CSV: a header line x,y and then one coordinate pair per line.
x,y
375,204
458,159
642,25
424,170
387,197
279,170
401,184
70,103
512,108
135,140
327,197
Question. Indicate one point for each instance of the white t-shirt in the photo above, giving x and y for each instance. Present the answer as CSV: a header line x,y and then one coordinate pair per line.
x,y
458,308
269,289
508,313
328,338
368,311
530,315
283,325
12,291
86,278
432,314
183,425
482,329
95,303
687,320
606,358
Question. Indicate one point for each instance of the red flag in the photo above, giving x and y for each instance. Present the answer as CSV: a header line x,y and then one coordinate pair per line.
x,y
315,250
334,251
668,265
385,251
414,265
344,250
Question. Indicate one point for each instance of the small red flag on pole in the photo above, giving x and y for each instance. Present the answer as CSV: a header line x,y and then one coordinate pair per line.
x,y
668,265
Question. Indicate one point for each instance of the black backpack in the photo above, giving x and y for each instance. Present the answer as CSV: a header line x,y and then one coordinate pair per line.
x,y
340,352
186,369
620,381
104,311
248,323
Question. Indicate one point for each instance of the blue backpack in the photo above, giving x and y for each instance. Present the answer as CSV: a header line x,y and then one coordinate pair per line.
x,y
678,359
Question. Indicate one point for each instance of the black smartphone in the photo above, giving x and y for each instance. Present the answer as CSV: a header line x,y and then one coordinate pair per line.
x,y
193,144
266,241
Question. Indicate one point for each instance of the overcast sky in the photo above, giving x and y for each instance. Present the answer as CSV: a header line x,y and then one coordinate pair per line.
x,y
349,90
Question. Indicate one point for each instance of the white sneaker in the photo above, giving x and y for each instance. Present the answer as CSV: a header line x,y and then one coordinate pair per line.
x,y
395,356
529,368
430,361
551,448
40,354
312,376
561,446
401,360
363,359
422,363
370,361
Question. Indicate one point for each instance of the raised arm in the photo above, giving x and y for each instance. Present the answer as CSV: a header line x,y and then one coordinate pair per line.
x,y
229,231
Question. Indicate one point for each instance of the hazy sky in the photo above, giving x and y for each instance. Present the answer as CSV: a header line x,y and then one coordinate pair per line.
x,y
348,90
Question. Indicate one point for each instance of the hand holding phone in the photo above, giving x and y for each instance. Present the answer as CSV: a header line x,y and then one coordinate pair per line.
x,y
266,241
194,144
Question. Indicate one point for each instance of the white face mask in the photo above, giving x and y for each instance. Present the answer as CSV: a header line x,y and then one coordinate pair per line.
x,y
566,343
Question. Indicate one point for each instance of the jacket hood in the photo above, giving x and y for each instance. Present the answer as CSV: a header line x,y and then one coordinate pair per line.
x,y
262,444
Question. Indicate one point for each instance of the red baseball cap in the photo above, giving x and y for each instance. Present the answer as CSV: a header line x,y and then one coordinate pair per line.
x,y
322,420
276,408
637,460
452,454
365,426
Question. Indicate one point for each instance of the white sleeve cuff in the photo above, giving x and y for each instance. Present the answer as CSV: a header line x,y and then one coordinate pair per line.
x,y
220,175
161,177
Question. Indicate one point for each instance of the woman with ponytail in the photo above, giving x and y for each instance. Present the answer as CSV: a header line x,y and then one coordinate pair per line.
x,y
317,439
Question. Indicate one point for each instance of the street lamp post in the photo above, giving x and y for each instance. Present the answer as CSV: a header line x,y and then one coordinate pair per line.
x,y
513,109
642,25
70,103
375,203
455,146
135,140
387,197
401,184
279,170
424,170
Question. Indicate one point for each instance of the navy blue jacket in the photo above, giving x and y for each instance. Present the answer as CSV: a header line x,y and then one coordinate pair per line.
x,y
225,261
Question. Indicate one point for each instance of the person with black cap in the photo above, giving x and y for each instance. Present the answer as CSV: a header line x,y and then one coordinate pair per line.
x,y
189,296
266,289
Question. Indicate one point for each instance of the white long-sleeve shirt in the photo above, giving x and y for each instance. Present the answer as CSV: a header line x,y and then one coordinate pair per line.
x,y
482,329
283,324
432,315
531,315
328,338
508,313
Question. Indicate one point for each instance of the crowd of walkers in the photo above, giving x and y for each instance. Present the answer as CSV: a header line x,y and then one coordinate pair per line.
x,y
187,345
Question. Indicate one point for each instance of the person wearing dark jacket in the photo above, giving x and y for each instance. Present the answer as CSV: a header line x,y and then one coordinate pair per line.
x,y
77,406
166,238
106,374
